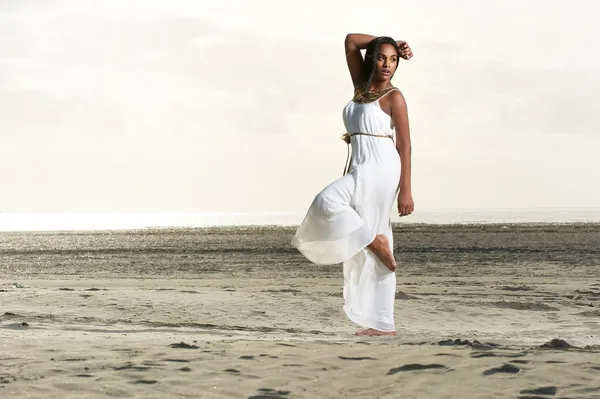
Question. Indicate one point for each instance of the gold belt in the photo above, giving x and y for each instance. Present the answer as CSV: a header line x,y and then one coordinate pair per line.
x,y
347,138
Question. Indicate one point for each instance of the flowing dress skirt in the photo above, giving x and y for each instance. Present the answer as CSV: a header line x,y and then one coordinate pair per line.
x,y
345,217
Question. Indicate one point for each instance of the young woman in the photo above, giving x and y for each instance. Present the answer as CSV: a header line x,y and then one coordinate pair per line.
x,y
349,220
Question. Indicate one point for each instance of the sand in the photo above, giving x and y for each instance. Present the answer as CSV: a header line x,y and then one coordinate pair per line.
x,y
503,311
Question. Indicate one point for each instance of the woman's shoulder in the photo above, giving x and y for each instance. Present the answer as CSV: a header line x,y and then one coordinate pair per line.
x,y
396,95
394,100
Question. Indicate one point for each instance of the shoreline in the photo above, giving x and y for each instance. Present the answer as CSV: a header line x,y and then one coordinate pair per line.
x,y
21,222
266,227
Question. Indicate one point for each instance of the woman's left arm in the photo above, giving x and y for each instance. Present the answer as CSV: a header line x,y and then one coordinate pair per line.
x,y
403,145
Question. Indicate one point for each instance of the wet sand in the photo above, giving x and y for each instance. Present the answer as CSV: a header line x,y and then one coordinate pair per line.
x,y
485,311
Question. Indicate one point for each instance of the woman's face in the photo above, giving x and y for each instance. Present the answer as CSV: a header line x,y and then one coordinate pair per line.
x,y
387,61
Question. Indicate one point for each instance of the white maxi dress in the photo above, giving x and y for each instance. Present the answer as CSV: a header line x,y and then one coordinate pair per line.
x,y
347,214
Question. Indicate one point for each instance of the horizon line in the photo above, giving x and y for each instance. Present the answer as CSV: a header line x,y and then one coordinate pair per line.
x,y
88,221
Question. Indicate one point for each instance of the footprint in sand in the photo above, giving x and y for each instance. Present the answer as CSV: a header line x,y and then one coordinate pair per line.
x,y
233,371
269,393
506,368
540,391
516,288
18,326
557,343
132,367
183,345
459,342
416,367
477,355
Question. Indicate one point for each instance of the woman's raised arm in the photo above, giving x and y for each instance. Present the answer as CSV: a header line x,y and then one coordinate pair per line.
x,y
353,44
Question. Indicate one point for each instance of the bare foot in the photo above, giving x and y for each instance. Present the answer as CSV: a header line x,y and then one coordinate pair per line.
x,y
381,248
371,332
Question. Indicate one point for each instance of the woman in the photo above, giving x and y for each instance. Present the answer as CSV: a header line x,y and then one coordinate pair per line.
x,y
349,221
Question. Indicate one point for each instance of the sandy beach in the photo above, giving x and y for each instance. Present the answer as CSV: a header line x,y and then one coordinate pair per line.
x,y
485,311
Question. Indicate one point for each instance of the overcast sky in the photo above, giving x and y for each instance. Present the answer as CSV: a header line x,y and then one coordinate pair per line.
x,y
235,106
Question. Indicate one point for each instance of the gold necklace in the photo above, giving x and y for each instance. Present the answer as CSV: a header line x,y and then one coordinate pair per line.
x,y
362,96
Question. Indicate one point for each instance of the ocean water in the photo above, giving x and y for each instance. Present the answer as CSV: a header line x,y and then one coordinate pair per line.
x,y
125,221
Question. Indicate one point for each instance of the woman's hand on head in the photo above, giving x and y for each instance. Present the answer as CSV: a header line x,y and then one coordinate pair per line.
x,y
405,50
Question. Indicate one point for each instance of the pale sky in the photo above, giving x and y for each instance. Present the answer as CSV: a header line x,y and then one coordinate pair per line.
x,y
235,106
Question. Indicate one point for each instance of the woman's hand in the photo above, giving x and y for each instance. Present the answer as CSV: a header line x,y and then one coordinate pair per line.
x,y
406,205
405,50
